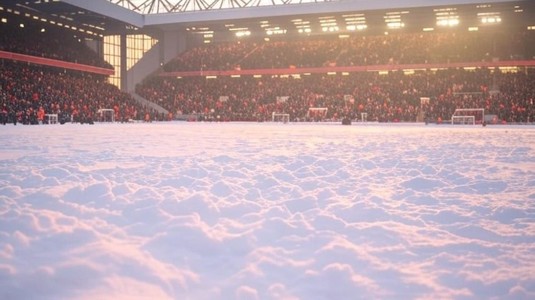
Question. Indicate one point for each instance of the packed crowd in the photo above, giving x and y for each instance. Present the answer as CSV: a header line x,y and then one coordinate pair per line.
x,y
29,93
358,50
38,38
394,97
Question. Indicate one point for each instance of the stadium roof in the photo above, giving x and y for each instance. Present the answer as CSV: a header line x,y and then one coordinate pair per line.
x,y
169,6
149,16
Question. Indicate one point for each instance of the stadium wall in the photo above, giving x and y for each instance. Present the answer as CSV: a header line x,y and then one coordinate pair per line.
x,y
169,45
173,43
149,63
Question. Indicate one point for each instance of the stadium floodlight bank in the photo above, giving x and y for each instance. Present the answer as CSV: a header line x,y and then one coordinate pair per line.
x,y
280,117
468,116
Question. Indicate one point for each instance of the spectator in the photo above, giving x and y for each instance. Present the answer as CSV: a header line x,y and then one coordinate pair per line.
x,y
386,98
38,38
27,92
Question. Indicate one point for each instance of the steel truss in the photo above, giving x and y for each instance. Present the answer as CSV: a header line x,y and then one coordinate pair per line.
x,y
170,6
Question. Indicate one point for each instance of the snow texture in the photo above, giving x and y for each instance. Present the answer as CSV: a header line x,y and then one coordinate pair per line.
x,y
267,211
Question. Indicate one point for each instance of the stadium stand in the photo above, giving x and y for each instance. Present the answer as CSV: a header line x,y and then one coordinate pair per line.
x,y
384,96
359,50
40,39
29,90
73,96
392,97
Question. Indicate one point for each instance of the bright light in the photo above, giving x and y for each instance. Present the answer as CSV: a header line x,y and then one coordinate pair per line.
x,y
395,25
489,18
243,33
508,69
356,27
448,22
275,31
303,29
473,28
428,29
329,28
21,25
4,20
43,30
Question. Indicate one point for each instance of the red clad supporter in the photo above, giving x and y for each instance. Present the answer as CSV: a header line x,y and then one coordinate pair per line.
x,y
71,94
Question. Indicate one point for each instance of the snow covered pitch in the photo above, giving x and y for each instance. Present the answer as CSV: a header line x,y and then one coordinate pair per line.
x,y
267,211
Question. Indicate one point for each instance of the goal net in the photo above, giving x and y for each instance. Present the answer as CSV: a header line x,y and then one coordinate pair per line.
x,y
106,115
468,116
280,117
316,113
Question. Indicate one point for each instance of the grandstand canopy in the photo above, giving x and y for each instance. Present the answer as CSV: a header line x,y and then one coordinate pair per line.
x,y
273,16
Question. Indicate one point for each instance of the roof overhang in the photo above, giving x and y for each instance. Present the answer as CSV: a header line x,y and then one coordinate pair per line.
x,y
300,9
111,10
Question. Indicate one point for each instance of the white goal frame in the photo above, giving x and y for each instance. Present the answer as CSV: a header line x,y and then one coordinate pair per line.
x,y
467,116
284,118
102,112
314,110
51,118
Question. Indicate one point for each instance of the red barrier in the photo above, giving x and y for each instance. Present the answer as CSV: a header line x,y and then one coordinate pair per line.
x,y
56,63
480,64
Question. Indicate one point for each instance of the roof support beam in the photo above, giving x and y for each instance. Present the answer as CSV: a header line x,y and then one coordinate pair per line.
x,y
109,9
210,15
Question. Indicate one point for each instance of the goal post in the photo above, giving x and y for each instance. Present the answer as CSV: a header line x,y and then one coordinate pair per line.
x,y
468,116
317,113
106,115
280,117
